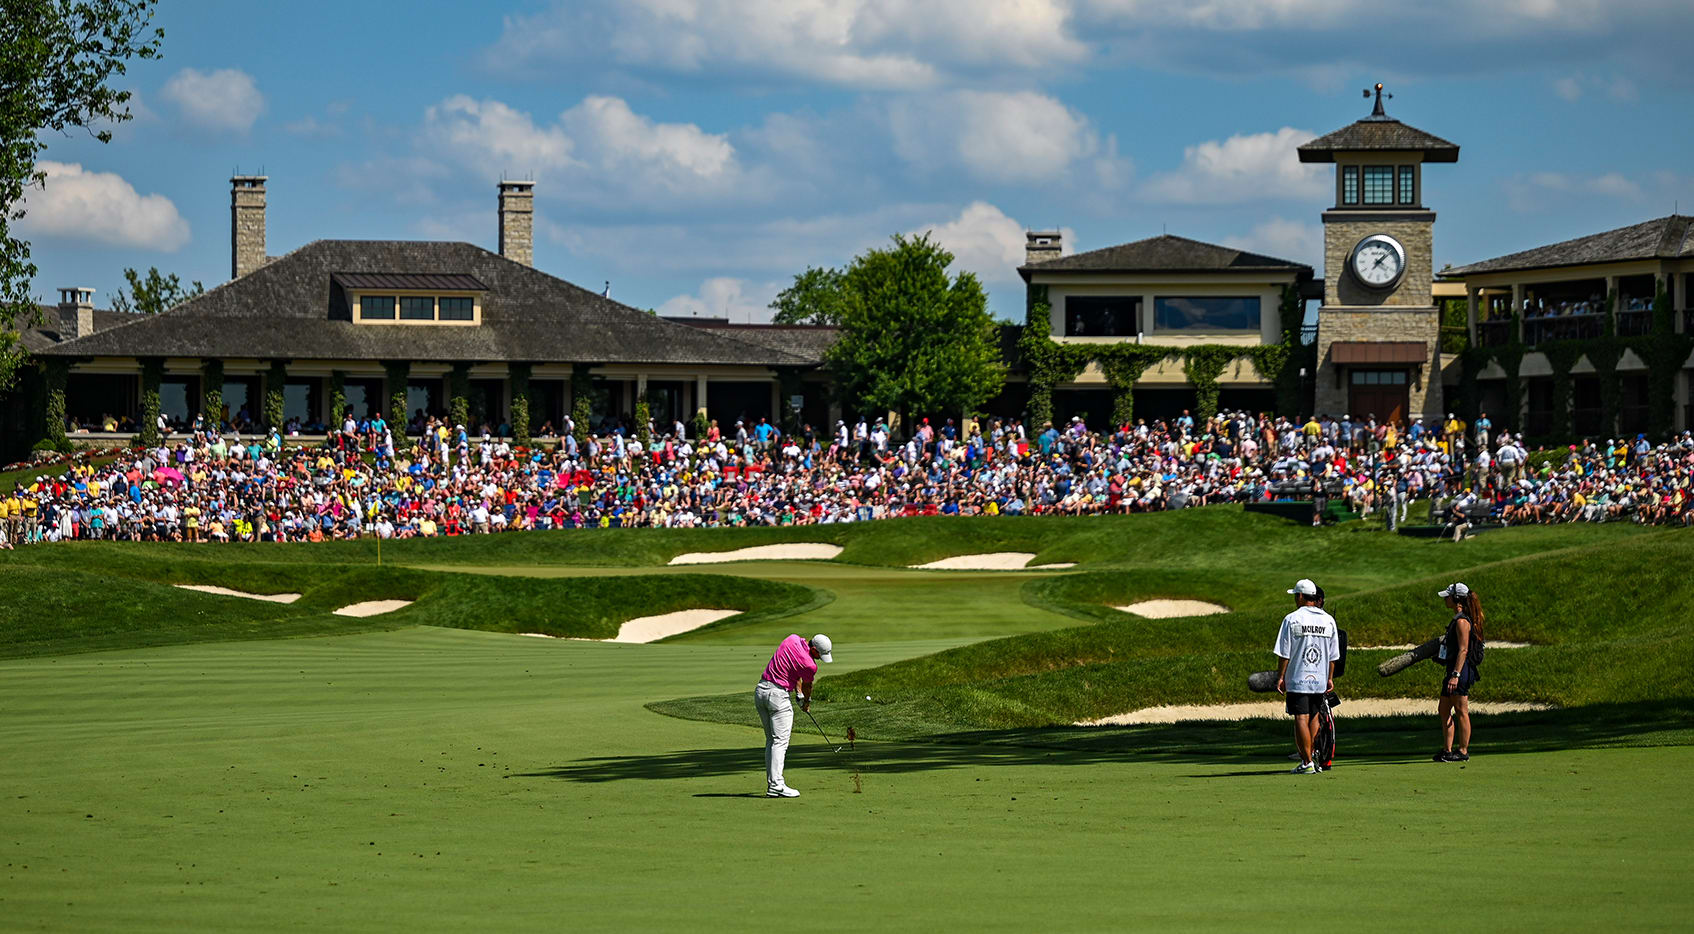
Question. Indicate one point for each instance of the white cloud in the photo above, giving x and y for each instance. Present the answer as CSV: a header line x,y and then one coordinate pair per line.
x,y
889,44
492,137
311,127
1245,167
1568,88
985,241
1020,136
1617,87
1283,238
739,300
101,207
599,151
226,99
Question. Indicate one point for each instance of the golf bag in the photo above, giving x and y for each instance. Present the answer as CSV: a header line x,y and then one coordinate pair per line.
x,y
1323,744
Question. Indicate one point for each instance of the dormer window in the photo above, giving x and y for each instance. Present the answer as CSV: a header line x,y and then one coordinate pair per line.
x,y
376,308
417,308
1349,184
411,298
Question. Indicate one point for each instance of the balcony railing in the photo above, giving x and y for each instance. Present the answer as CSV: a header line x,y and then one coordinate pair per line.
x,y
1635,323
1563,328
1496,333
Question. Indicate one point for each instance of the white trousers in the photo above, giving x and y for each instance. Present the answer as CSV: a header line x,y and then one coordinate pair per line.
x,y
776,712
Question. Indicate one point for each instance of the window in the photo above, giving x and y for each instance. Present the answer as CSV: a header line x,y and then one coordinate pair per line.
x,y
457,309
1379,377
1408,185
1349,184
1206,314
376,307
1102,316
1379,184
417,308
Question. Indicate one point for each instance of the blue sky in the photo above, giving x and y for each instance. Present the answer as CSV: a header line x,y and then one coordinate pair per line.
x,y
699,153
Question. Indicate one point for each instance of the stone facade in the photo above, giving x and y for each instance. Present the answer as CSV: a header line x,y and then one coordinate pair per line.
x,y
1420,325
1344,229
246,224
517,222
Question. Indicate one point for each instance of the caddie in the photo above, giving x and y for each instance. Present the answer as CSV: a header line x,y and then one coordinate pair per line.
x,y
792,668
1307,648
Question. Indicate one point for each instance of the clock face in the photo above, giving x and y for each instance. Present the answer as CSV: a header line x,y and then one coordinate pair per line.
x,y
1379,261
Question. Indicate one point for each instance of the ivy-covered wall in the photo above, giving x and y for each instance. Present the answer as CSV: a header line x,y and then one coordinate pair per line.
x,y
1050,363
398,371
1662,350
520,402
212,377
152,376
276,399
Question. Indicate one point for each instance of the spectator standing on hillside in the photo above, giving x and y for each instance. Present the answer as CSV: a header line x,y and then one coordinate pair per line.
x,y
1307,648
792,668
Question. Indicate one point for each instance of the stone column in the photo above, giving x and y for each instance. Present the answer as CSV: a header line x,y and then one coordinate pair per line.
x,y
700,393
1470,312
1517,306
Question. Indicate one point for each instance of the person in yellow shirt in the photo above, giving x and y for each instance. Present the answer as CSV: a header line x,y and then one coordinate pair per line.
x,y
11,517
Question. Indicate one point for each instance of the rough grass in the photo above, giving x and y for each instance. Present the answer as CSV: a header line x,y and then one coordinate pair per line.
x,y
1608,623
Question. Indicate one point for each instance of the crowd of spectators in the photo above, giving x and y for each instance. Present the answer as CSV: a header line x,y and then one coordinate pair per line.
x,y
443,481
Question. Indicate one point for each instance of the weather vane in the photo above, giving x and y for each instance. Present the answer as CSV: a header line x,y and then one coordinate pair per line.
x,y
1378,112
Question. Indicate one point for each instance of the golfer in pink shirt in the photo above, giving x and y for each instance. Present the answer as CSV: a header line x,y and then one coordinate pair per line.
x,y
792,668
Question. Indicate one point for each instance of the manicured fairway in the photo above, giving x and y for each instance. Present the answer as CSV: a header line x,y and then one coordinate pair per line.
x,y
175,760
432,780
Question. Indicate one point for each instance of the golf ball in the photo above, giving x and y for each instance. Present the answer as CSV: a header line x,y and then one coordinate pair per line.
x,y
867,697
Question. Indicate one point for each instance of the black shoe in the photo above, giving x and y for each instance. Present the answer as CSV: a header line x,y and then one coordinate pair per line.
x,y
1445,755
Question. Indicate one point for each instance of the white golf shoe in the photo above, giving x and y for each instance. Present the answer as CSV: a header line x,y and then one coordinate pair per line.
x,y
783,792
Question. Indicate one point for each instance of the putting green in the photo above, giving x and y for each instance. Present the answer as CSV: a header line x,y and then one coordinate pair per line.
x,y
432,779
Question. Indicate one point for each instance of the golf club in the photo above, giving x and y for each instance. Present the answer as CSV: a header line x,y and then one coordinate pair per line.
x,y
820,730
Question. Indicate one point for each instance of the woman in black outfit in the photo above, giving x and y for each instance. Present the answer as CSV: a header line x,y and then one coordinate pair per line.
x,y
1461,648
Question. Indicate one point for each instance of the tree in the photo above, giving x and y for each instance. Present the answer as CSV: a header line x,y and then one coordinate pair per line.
x,y
57,62
814,298
913,340
155,293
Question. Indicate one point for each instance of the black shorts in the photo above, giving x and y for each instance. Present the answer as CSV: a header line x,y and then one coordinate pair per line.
x,y
1467,677
1304,705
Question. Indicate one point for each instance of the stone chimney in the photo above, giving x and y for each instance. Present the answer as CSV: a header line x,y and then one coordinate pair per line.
x,y
76,312
246,224
517,222
1041,246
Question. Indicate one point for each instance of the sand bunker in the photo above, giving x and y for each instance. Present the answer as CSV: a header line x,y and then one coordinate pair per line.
x,y
654,628
373,607
812,551
1060,566
1408,647
993,561
226,592
1170,609
1350,707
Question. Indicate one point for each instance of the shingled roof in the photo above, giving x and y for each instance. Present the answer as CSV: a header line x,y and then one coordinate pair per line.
x,y
808,341
1379,134
1670,237
294,308
1167,253
47,334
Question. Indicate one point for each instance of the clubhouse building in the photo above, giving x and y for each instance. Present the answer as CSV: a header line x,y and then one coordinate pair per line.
x,y
361,321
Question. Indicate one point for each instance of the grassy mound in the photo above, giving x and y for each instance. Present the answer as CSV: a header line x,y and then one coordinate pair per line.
x,y
55,605
1608,622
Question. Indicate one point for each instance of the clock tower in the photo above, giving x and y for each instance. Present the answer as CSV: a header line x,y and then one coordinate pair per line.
x,y
1379,331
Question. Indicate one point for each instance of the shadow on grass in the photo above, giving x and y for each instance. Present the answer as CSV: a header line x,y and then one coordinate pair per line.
x,y
1371,740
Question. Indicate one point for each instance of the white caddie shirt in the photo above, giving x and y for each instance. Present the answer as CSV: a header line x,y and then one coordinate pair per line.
x,y
1307,639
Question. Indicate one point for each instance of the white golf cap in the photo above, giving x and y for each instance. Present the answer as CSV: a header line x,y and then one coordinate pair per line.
x,y
1305,588
821,643
1455,590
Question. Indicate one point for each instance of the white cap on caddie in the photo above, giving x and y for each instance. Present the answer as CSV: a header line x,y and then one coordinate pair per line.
x,y
1305,588
821,643
1455,590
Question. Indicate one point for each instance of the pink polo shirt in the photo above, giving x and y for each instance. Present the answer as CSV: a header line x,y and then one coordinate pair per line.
x,y
792,665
